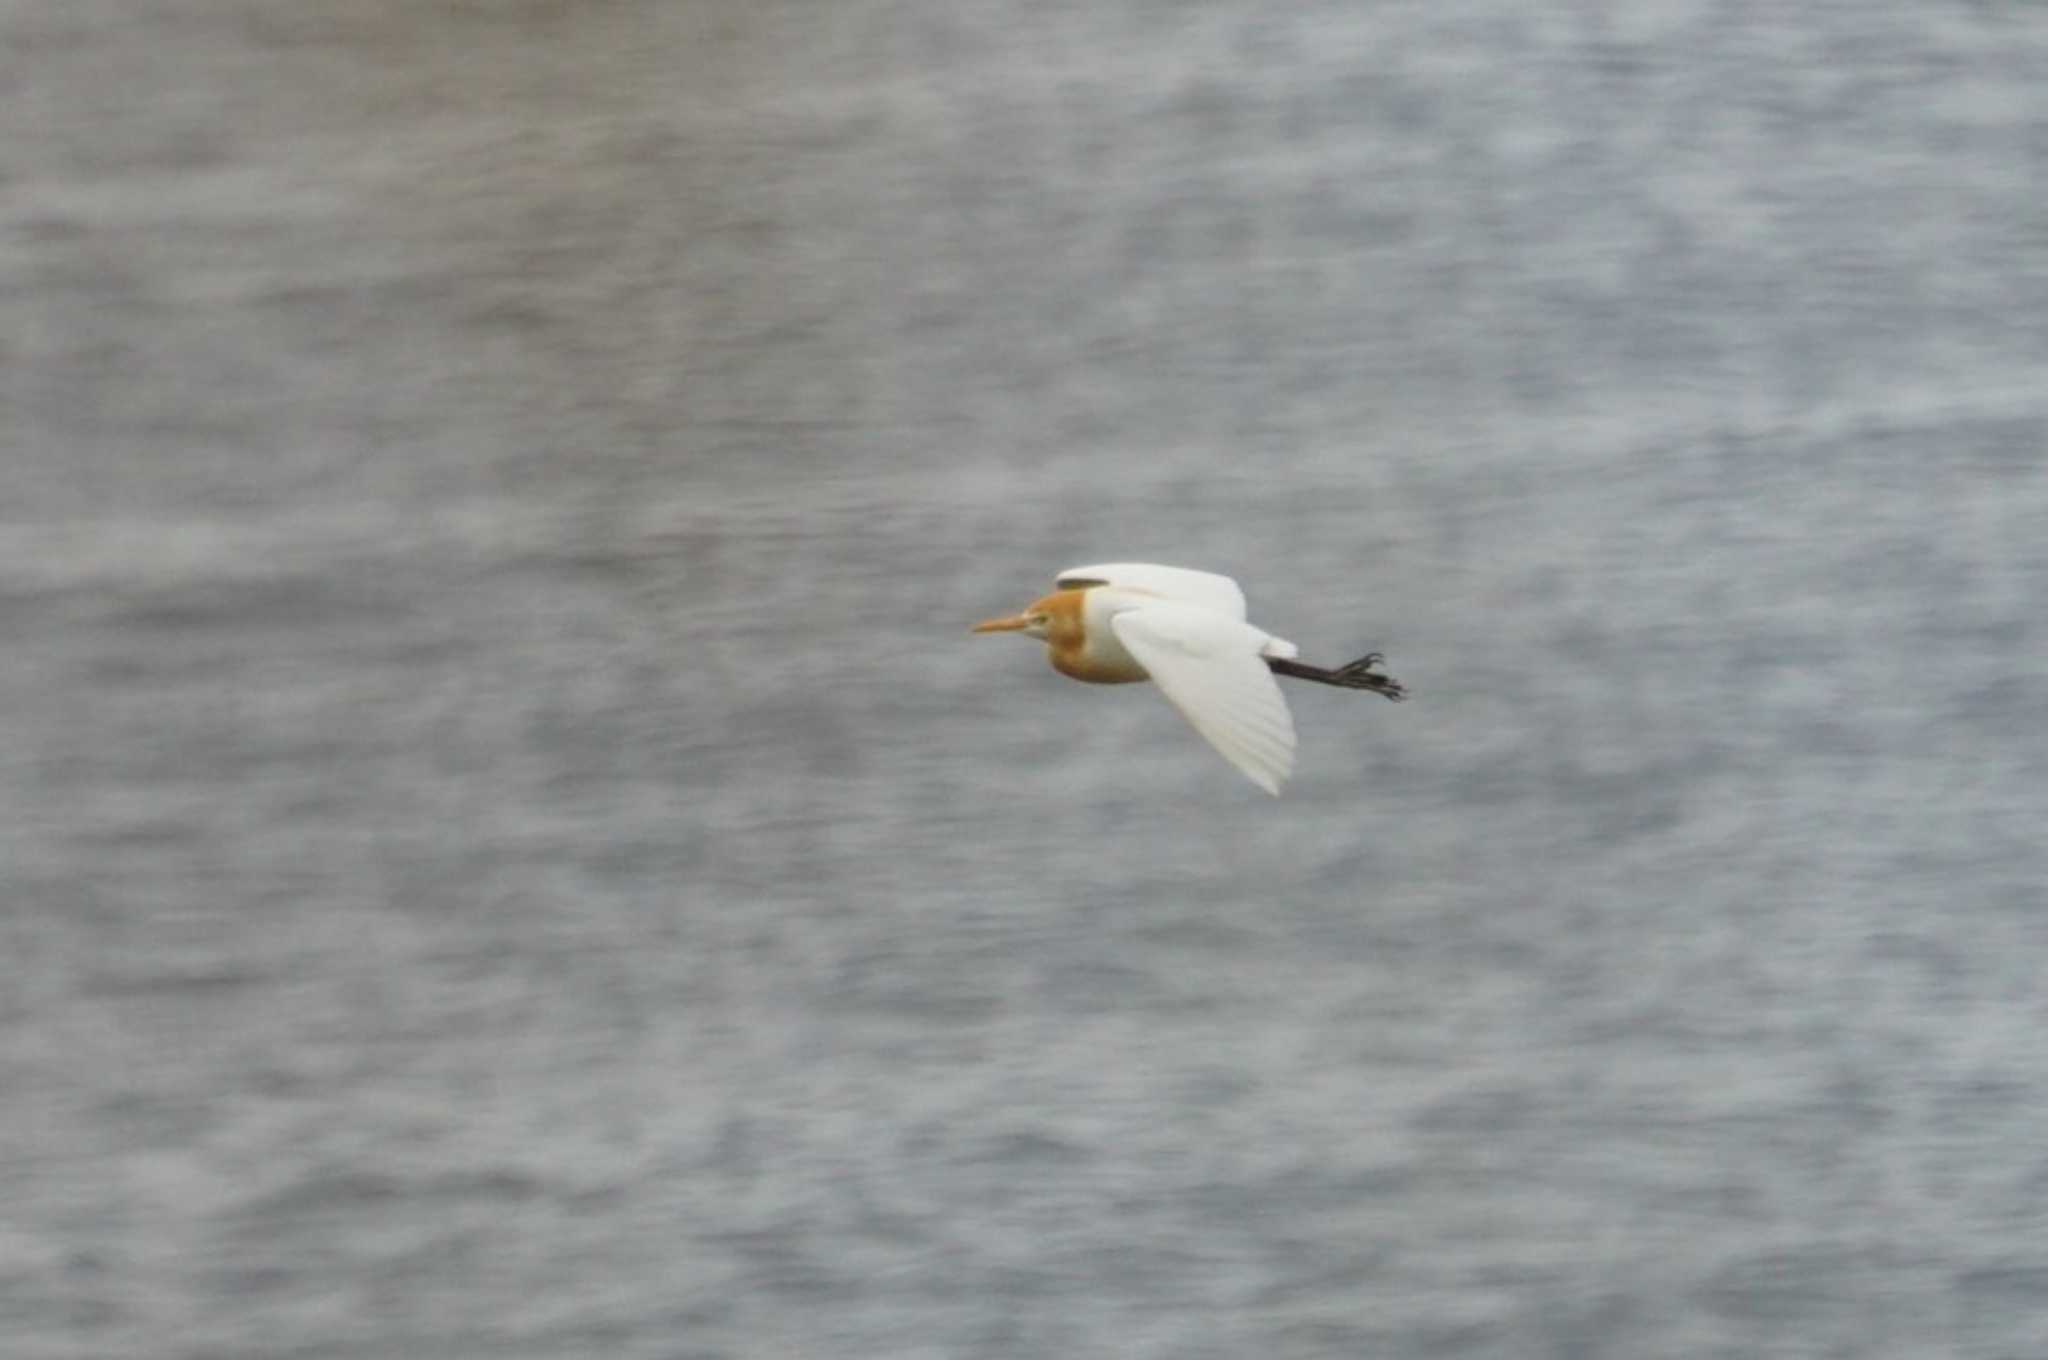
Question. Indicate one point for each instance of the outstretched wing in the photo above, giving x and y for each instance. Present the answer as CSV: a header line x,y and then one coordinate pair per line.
x,y
1204,588
1211,669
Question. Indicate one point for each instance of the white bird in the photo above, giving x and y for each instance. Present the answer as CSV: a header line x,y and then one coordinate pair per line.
x,y
1186,632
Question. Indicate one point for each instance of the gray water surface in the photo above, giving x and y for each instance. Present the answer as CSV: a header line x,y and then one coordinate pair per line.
x,y
507,849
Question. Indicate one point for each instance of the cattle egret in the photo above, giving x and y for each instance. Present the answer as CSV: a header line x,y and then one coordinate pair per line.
x,y
1185,631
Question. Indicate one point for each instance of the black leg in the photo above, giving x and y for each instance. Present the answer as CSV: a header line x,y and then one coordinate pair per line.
x,y
1359,674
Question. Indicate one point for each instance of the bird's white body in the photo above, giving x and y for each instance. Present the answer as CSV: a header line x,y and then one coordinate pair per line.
x,y
1186,632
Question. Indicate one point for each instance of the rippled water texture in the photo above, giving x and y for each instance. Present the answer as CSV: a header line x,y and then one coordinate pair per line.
x,y
507,848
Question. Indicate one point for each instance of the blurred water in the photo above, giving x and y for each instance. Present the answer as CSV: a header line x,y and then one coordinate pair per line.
x,y
507,849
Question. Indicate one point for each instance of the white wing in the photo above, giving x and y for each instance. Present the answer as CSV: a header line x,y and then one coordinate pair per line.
x,y
1204,588
1210,668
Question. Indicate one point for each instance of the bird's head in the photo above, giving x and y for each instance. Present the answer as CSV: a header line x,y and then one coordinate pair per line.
x,y
1036,619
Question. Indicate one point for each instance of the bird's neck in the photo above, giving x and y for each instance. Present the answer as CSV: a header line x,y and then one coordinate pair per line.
x,y
1067,621
1098,658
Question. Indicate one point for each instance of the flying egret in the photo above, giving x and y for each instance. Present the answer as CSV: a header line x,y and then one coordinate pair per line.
x,y
1185,631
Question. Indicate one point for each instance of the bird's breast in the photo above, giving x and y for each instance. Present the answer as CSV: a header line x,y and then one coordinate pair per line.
x,y
1099,661
1082,644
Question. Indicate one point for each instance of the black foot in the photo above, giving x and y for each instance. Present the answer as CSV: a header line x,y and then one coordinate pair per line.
x,y
1359,674
1363,674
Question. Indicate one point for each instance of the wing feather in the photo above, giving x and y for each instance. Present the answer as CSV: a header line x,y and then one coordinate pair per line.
x,y
1204,588
1210,668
